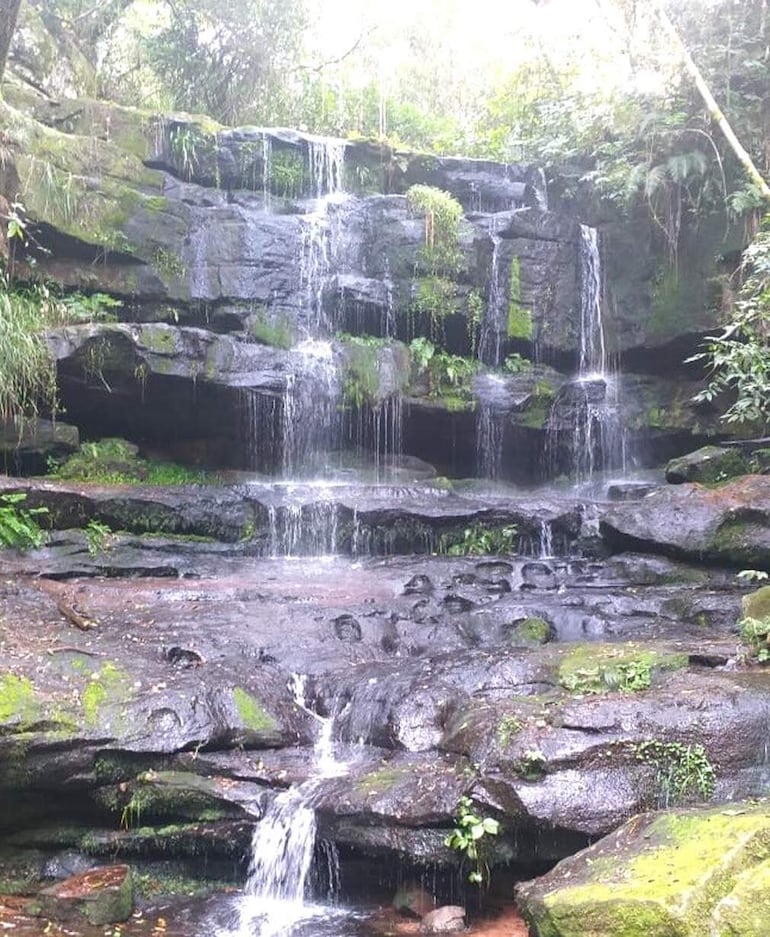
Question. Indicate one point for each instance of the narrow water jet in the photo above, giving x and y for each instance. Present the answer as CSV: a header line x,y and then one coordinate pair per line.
x,y
585,433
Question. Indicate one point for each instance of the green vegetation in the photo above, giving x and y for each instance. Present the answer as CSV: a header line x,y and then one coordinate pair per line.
x,y
480,540
18,701
598,668
27,370
252,713
114,461
470,837
447,375
508,728
439,258
97,537
738,359
19,527
755,634
683,773
110,684
519,318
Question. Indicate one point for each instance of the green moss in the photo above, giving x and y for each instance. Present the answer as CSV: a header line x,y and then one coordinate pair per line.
x,y
381,781
107,686
597,668
757,604
687,863
531,631
168,263
440,254
519,317
251,712
270,329
161,339
18,701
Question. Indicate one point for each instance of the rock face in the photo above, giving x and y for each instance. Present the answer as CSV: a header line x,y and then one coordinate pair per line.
x,y
728,524
682,872
230,246
174,718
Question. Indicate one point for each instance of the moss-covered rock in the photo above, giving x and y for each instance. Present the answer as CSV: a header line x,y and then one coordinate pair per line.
x,y
660,875
595,667
103,896
745,912
707,465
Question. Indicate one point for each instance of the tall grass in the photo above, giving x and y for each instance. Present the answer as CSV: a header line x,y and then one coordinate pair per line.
x,y
27,369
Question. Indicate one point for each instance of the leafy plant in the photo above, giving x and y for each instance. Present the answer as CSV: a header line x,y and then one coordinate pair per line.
x,y
516,363
440,254
531,765
738,359
481,540
755,633
683,772
422,350
97,537
469,838
19,527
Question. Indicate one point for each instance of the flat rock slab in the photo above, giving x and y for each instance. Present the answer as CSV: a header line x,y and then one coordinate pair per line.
x,y
729,524
101,896
675,873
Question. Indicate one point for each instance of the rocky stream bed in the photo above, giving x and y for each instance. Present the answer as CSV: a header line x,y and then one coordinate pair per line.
x,y
149,700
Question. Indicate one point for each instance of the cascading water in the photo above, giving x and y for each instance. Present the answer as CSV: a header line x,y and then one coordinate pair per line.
x,y
586,413
283,846
494,322
311,419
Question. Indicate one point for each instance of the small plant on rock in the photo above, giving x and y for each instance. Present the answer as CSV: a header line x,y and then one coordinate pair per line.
x,y
755,634
684,773
470,836
97,537
19,527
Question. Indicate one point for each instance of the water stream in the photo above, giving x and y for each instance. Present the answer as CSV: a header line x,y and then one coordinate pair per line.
x,y
586,418
284,848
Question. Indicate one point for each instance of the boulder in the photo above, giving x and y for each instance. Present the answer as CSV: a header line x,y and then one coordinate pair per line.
x,y
708,465
679,872
729,524
27,446
101,896
448,919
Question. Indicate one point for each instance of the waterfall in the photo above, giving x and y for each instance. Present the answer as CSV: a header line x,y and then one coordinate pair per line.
x,y
311,419
326,158
494,323
585,418
489,441
283,846
303,529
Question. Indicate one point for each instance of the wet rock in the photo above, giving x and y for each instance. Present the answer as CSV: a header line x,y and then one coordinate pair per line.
x,y
538,576
660,873
630,491
27,446
347,628
457,604
730,524
412,899
419,585
707,465
448,919
102,896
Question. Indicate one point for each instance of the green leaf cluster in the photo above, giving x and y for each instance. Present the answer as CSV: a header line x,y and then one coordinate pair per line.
x,y
468,838
19,526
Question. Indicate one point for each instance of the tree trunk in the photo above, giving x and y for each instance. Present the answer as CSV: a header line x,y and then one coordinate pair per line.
x,y
9,12
715,112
